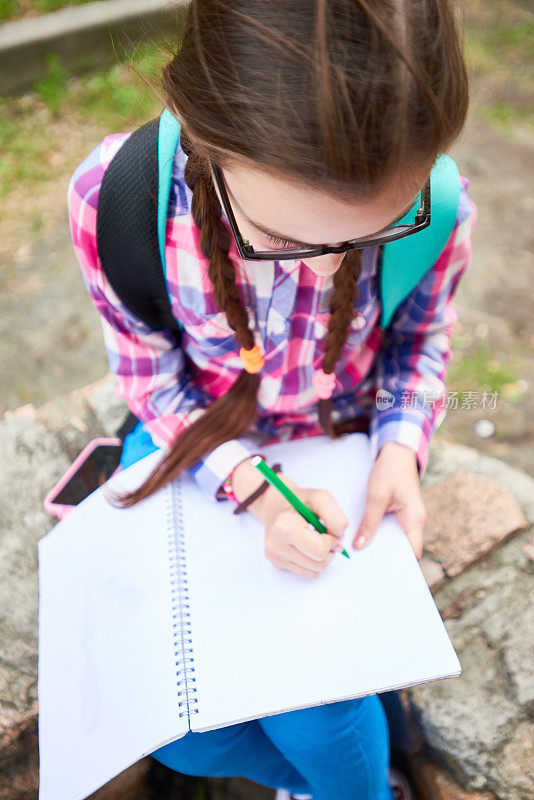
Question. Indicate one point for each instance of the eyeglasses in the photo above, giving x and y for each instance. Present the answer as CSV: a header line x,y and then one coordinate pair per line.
x,y
393,232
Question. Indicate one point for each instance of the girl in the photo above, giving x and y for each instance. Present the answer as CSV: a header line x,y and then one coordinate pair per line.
x,y
301,124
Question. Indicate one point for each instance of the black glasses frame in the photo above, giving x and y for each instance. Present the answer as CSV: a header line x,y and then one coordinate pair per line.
x,y
246,250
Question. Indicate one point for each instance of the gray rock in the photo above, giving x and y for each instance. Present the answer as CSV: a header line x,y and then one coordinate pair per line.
x,y
515,765
465,719
445,458
32,461
476,723
518,650
109,409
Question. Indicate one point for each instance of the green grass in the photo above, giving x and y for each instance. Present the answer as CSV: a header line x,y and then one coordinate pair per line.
x,y
114,99
51,88
8,9
499,49
501,116
481,369
501,43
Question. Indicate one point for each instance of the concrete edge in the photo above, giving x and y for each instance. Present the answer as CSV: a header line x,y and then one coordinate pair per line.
x,y
83,37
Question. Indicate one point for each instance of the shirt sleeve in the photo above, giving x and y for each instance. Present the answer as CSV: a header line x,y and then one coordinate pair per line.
x,y
150,366
411,400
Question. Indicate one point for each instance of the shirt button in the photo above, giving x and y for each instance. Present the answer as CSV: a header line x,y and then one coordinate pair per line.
x,y
359,321
277,323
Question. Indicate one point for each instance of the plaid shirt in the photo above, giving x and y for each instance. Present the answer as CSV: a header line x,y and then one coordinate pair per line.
x,y
165,385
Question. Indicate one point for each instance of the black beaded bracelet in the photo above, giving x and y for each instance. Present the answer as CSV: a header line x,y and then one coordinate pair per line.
x,y
256,493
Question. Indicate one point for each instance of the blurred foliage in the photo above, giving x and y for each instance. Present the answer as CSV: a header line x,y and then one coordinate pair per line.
x,y
114,99
14,9
499,48
76,111
480,368
51,88
501,115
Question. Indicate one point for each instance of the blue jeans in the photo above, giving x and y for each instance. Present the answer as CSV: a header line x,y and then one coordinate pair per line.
x,y
329,751
332,751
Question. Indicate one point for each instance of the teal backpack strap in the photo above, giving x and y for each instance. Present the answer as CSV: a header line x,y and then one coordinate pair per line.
x,y
168,138
407,260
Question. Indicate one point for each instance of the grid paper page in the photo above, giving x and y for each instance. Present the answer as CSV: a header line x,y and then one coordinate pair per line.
x,y
267,641
107,687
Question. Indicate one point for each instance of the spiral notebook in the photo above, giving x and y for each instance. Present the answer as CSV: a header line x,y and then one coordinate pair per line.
x,y
168,618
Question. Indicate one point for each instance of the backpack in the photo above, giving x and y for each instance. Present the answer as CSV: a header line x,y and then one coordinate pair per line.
x,y
132,213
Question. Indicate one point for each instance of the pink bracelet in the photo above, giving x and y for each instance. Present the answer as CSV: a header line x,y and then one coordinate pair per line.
x,y
227,484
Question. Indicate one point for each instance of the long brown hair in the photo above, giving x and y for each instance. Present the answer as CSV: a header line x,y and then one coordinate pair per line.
x,y
342,95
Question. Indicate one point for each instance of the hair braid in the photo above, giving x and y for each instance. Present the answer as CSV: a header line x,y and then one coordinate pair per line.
x,y
342,313
215,243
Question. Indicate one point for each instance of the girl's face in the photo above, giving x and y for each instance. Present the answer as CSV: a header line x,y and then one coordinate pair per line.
x,y
266,206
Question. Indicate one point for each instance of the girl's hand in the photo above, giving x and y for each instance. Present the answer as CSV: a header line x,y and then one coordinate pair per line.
x,y
290,542
293,544
394,486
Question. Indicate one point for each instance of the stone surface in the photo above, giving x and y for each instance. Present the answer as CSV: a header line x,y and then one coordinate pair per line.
x,y
446,458
127,785
469,722
475,727
467,516
433,572
528,549
516,762
434,784
109,410
32,459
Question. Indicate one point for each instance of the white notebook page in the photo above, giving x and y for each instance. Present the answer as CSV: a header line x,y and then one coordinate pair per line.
x,y
267,641
106,674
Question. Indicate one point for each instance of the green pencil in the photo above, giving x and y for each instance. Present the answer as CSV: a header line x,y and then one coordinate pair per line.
x,y
290,496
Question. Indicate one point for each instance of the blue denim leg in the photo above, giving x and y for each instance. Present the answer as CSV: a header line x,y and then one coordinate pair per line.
x,y
137,444
341,749
241,750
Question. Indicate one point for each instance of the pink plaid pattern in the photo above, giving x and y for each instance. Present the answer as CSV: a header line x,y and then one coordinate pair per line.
x,y
166,385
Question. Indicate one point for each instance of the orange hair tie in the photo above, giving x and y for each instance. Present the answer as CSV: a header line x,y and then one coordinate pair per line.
x,y
253,360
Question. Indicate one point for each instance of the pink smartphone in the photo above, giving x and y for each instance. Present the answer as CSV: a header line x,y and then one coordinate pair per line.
x,y
97,462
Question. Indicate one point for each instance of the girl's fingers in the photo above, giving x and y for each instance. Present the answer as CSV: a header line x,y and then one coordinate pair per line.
x,y
377,501
298,557
312,545
325,506
292,530
293,566
412,521
294,539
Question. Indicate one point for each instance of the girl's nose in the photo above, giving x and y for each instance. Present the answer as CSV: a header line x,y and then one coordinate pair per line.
x,y
324,265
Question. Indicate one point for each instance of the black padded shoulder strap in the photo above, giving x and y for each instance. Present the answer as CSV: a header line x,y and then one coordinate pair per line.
x,y
126,229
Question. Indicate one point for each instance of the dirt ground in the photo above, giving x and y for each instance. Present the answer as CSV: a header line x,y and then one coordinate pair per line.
x,y
51,341
495,297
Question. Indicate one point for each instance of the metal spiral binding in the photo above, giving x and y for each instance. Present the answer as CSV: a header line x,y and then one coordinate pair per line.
x,y
183,643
